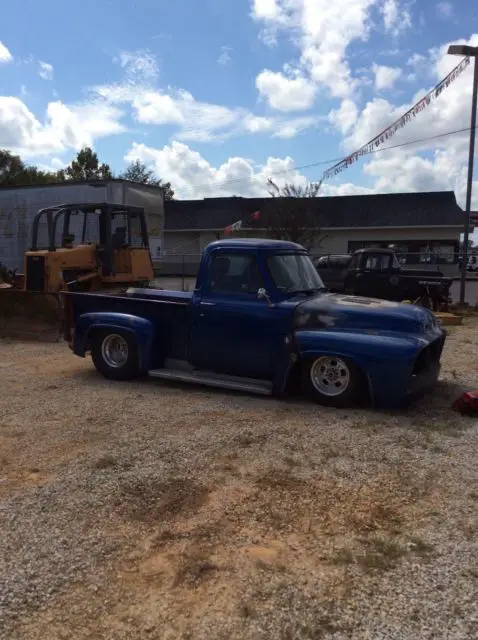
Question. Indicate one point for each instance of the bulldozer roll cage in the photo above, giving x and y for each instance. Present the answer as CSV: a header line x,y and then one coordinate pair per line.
x,y
106,212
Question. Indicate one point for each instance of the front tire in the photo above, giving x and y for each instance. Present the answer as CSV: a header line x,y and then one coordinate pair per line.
x,y
331,381
115,354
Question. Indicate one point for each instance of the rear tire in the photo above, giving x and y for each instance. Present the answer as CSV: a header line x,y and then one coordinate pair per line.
x,y
331,381
115,354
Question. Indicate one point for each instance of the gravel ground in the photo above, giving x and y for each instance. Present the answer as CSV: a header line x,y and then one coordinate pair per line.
x,y
150,510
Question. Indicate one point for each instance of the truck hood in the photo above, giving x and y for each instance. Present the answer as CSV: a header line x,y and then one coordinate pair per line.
x,y
329,311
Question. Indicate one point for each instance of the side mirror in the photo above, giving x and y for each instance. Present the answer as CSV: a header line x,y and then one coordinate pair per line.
x,y
263,295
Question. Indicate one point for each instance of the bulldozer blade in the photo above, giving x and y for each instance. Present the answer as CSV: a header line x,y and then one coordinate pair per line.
x,y
30,316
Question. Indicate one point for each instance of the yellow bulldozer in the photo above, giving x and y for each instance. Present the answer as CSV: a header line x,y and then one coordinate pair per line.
x,y
80,247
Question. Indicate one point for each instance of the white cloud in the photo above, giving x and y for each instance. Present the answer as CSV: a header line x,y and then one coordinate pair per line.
x,y
141,63
5,55
291,128
345,189
267,10
417,60
65,127
45,70
276,127
395,18
195,177
257,124
385,77
448,112
345,116
225,56
323,31
444,166
193,119
405,171
445,10
284,93
152,107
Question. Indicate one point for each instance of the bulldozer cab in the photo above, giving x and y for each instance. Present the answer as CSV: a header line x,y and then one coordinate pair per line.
x,y
100,242
85,247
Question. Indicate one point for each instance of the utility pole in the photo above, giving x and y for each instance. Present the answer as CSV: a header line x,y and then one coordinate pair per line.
x,y
472,52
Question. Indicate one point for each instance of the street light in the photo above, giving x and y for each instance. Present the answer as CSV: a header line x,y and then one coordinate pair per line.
x,y
472,52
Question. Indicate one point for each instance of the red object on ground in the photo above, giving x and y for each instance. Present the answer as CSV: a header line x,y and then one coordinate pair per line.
x,y
467,403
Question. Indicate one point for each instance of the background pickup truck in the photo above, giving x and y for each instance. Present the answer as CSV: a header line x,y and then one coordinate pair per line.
x,y
260,320
378,273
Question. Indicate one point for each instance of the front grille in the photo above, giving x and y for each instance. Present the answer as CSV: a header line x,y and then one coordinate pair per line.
x,y
35,275
428,356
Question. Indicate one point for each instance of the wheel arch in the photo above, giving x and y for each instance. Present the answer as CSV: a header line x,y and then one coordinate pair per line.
x,y
141,329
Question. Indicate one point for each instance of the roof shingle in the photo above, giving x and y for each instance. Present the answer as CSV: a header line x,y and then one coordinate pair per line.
x,y
429,209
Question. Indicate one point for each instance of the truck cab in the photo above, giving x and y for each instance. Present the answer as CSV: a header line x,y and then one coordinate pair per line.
x,y
258,320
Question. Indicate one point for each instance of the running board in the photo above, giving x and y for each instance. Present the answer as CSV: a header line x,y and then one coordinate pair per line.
x,y
249,385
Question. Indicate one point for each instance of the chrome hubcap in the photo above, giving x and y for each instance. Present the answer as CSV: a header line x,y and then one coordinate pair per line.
x,y
330,376
114,351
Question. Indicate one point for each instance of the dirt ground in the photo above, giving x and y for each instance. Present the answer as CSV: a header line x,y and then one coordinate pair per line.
x,y
152,510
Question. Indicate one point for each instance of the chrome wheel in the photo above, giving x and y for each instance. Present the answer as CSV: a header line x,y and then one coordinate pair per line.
x,y
330,376
114,351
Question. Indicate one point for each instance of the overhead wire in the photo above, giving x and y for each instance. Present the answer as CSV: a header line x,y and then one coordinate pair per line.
x,y
334,160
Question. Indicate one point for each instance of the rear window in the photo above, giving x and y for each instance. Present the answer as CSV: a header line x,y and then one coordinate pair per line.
x,y
322,263
339,262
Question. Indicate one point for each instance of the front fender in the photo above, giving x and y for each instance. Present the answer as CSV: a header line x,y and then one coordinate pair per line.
x,y
385,360
140,328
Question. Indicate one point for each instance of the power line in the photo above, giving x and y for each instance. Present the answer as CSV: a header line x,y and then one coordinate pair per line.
x,y
335,160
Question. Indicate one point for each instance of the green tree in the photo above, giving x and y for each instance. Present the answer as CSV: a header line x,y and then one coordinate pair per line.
x,y
138,172
291,214
86,166
14,172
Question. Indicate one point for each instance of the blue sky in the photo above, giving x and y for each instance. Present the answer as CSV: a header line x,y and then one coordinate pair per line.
x,y
217,95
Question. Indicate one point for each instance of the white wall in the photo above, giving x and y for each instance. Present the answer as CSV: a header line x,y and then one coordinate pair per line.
x,y
337,241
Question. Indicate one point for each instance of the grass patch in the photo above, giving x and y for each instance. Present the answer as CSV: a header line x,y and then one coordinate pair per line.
x,y
381,554
151,500
377,553
421,547
280,479
193,570
343,557
248,438
105,462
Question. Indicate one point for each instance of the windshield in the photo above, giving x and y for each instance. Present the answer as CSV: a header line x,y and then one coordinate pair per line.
x,y
294,272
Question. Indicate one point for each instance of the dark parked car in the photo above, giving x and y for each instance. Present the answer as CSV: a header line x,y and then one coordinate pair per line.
x,y
333,270
377,273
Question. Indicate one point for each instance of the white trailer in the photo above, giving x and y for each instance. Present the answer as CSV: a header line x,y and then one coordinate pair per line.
x,y
19,205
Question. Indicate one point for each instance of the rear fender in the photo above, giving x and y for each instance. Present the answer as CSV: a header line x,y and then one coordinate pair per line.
x,y
140,328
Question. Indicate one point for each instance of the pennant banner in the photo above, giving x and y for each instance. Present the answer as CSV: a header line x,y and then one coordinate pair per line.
x,y
387,133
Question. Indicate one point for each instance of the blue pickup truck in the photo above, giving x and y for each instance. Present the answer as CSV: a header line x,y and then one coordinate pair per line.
x,y
260,320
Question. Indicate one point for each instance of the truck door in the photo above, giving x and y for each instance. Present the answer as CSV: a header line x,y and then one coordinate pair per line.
x,y
232,331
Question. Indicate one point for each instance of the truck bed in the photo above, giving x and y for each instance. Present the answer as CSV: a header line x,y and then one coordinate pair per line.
x,y
167,310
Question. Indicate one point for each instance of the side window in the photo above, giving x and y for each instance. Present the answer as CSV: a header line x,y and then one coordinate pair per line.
x,y
235,273
377,262
339,262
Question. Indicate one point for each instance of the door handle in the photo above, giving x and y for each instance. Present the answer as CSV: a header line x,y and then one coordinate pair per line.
x,y
208,304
